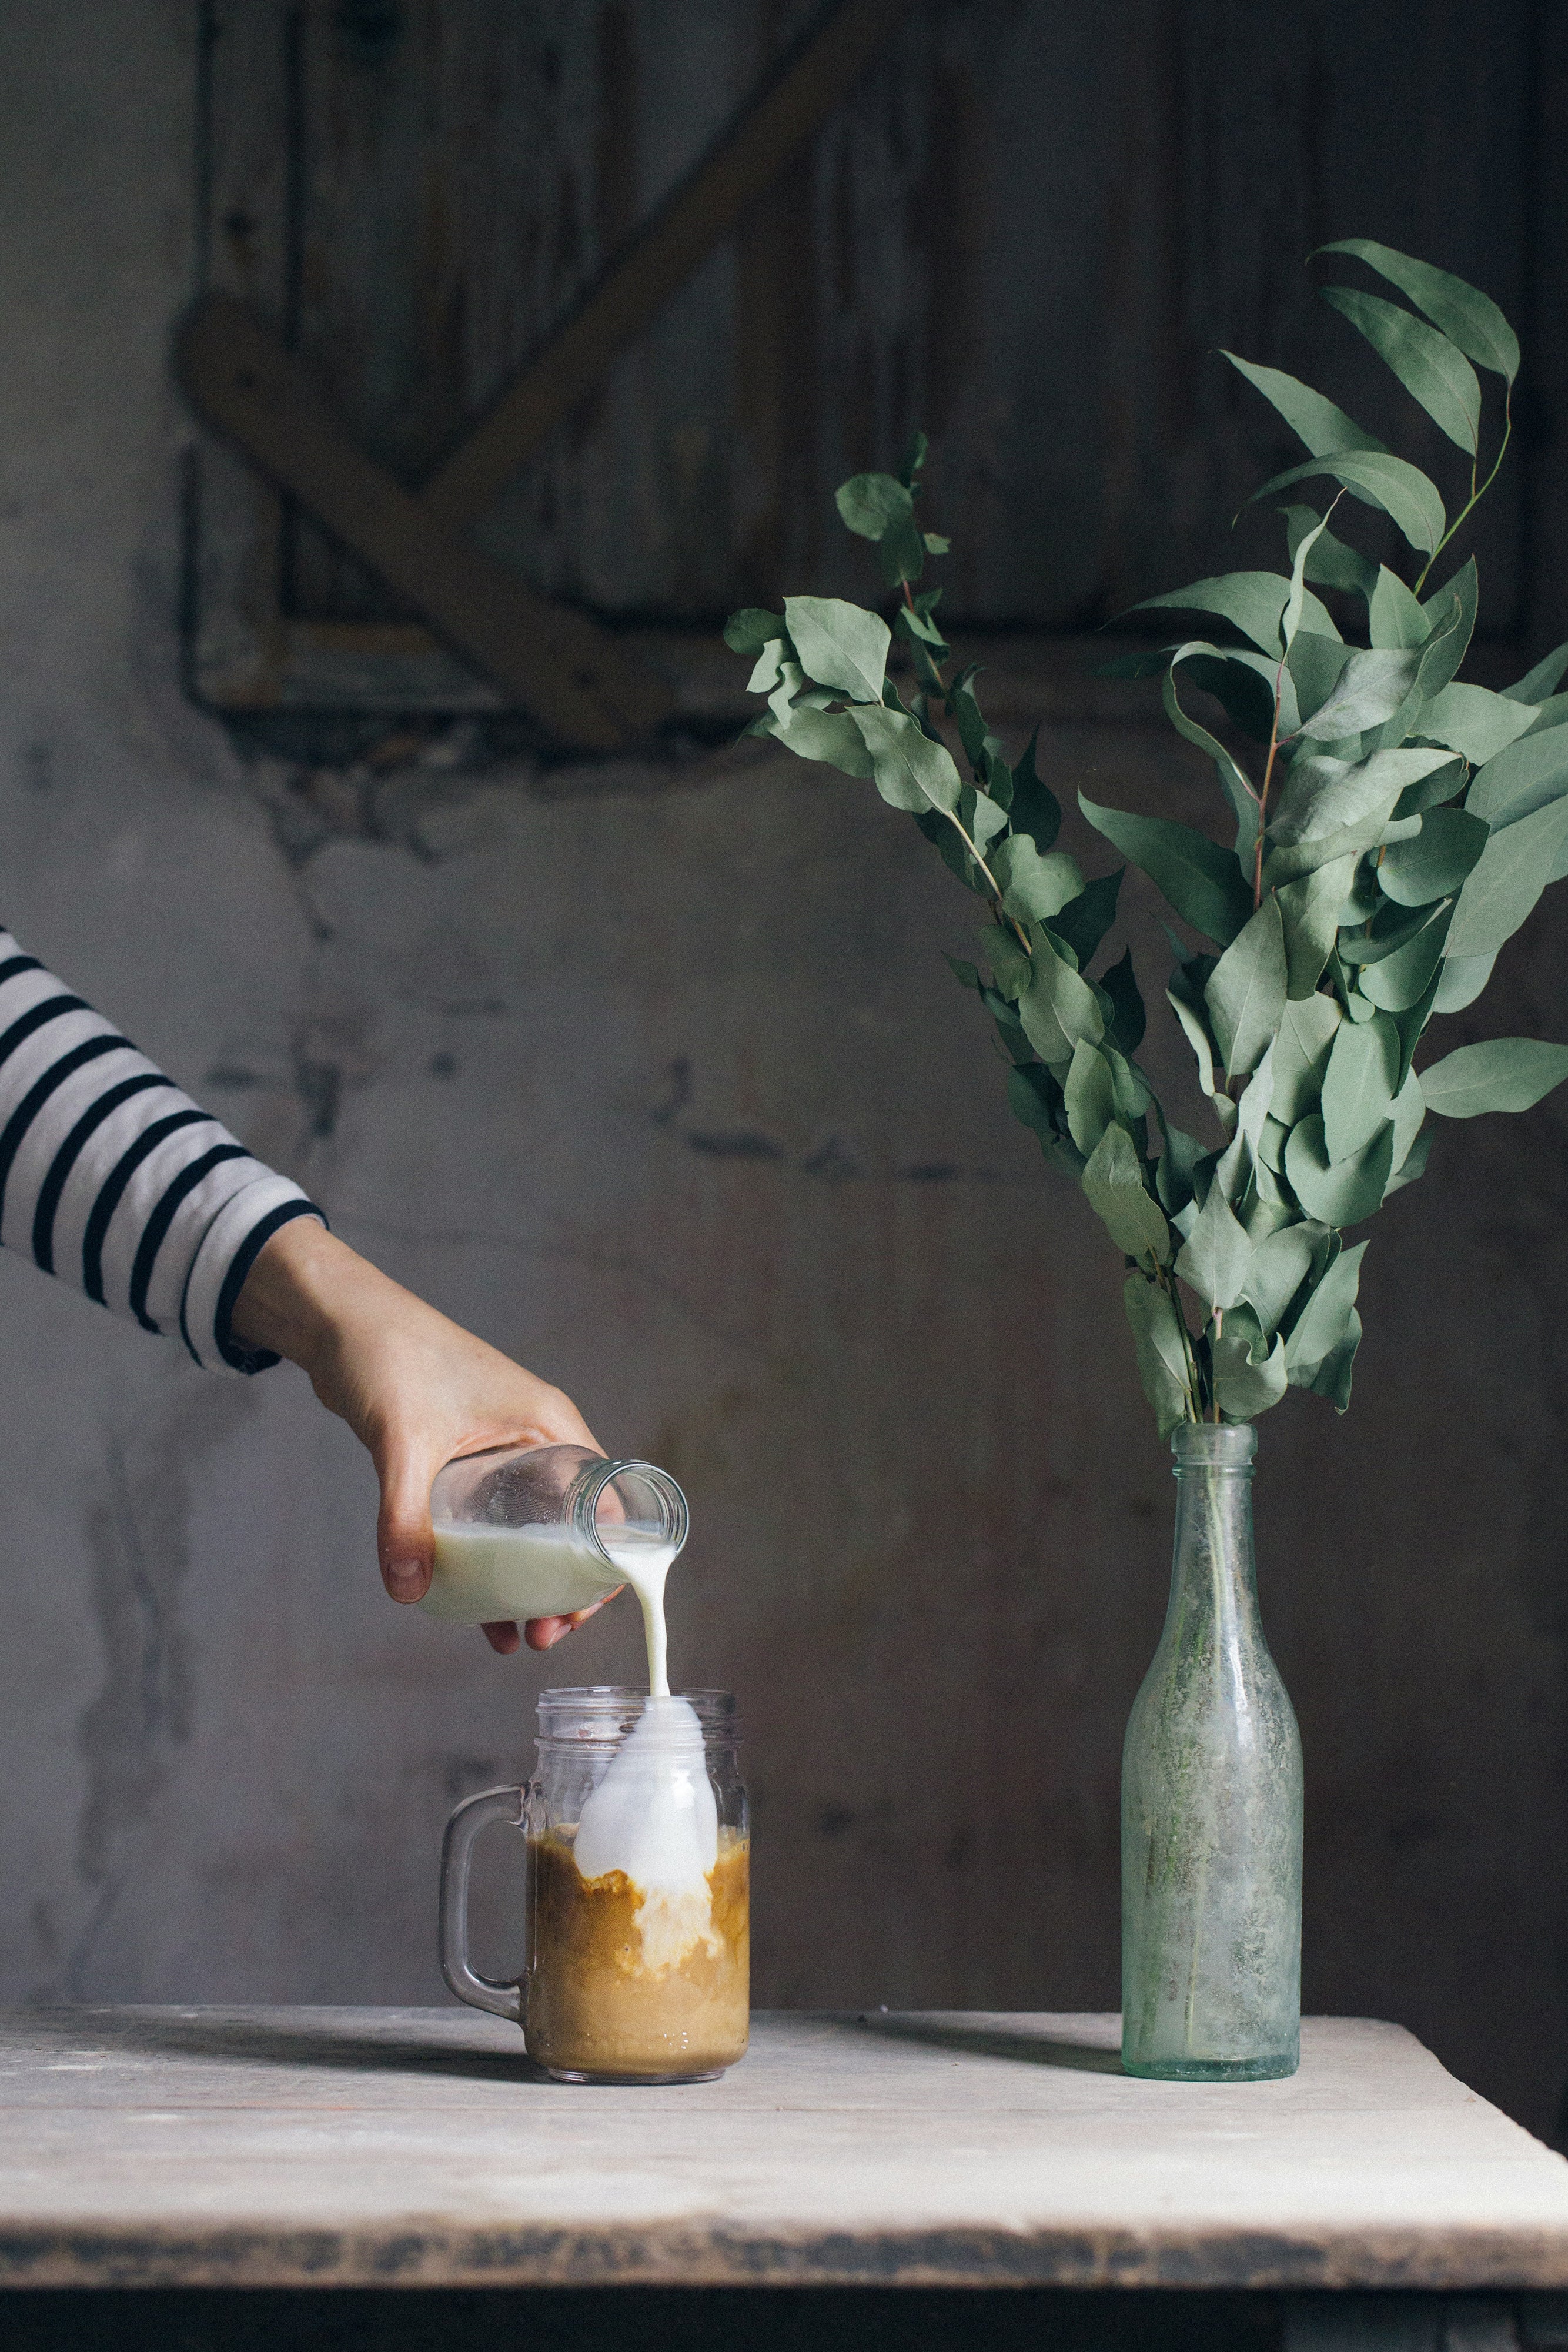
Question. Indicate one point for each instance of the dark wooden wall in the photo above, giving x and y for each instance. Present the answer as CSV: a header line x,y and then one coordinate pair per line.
x,y
1028,230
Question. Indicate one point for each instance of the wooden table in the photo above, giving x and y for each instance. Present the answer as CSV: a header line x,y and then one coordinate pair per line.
x,y
394,2147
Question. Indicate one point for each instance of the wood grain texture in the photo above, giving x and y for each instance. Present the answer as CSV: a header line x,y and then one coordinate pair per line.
x,y
579,683
419,2147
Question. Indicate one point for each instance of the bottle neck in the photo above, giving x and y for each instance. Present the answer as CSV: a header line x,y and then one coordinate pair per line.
x,y
1213,1575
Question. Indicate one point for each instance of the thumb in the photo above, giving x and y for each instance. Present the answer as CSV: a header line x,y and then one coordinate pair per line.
x,y
405,1543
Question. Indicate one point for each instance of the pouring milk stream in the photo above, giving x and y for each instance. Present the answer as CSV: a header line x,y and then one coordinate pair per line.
x,y
547,1531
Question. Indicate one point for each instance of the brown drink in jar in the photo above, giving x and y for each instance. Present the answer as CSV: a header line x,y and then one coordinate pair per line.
x,y
633,1983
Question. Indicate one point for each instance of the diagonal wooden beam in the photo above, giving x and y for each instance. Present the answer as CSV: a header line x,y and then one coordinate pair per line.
x,y
778,118
570,673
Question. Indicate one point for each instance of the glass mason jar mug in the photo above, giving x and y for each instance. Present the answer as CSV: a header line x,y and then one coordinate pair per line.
x,y
637,1937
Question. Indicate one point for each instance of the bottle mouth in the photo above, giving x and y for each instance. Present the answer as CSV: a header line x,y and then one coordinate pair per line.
x,y
622,1509
1211,1446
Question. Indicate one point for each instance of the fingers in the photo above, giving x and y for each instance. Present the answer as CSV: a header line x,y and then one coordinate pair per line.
x,y
405,1541
544,1632
503,1637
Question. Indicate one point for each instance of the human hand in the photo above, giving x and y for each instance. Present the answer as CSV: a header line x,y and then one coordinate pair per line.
x,y
414,1388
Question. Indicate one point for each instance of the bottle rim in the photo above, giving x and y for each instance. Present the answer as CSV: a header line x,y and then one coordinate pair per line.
x,y
1214,1445
595,1714
581,1501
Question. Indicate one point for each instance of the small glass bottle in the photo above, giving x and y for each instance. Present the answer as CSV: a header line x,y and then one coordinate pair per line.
x,y
541,1530
1211,1805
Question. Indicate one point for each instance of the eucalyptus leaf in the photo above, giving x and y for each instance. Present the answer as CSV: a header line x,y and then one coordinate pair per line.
x,y
1246,991
911,771
1500,1074
1090,1097
1411,502
1371,687
1233,784
1035,809
1310,909
1542,680
1413,1165
1435,864
1359,1086
1113,1180
1401,978
1332,564
1432,369
1513,871
1201,881
1279,1268
1463,979
1316,422
1473,722
1128,1019
839,645
1521,778
1307,1031
1323,1322
1034,887
1392,928
1059,1009
1035,1097
1252,602
1215,1257
1339,1192
1084,920
1249,1372
1161,1352
1470,318
752,631
1393,615
824,735
1011,964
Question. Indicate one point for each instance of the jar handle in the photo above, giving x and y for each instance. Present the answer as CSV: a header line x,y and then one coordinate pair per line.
x,y
474,1813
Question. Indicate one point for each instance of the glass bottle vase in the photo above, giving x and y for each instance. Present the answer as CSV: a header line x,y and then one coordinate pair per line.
x,y
1211,1805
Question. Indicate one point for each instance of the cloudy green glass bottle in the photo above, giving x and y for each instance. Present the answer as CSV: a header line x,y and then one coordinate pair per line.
x,y
1211,1805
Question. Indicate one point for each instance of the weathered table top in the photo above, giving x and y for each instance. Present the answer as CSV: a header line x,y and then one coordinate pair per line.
x,y
419,2147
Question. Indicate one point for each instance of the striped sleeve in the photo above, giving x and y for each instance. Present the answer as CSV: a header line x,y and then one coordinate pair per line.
x,y
115,1181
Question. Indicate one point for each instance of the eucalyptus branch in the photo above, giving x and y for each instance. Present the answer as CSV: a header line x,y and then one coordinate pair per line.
x,y
1390,878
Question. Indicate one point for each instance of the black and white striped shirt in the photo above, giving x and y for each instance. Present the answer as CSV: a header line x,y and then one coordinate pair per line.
x,y
115,1181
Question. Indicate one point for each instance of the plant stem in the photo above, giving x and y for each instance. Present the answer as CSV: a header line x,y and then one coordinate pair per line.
x,y
956,822
1475,495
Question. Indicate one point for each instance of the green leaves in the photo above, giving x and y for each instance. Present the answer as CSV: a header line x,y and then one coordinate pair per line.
x,y
1359,1084
1436,863
839,645
1314,420
1215,1257
1383,897
1246,991
1513,869
1371,687
1253,602
1466,315
1426,363
1034,887
1337,1192
878,508
1411,502
911,771
1161,1352
1113,1181
751,631
1503,1074
1200,881
1249,1373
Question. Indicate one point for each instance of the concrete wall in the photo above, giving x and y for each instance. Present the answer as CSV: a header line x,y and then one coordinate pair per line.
x,y
667,1092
